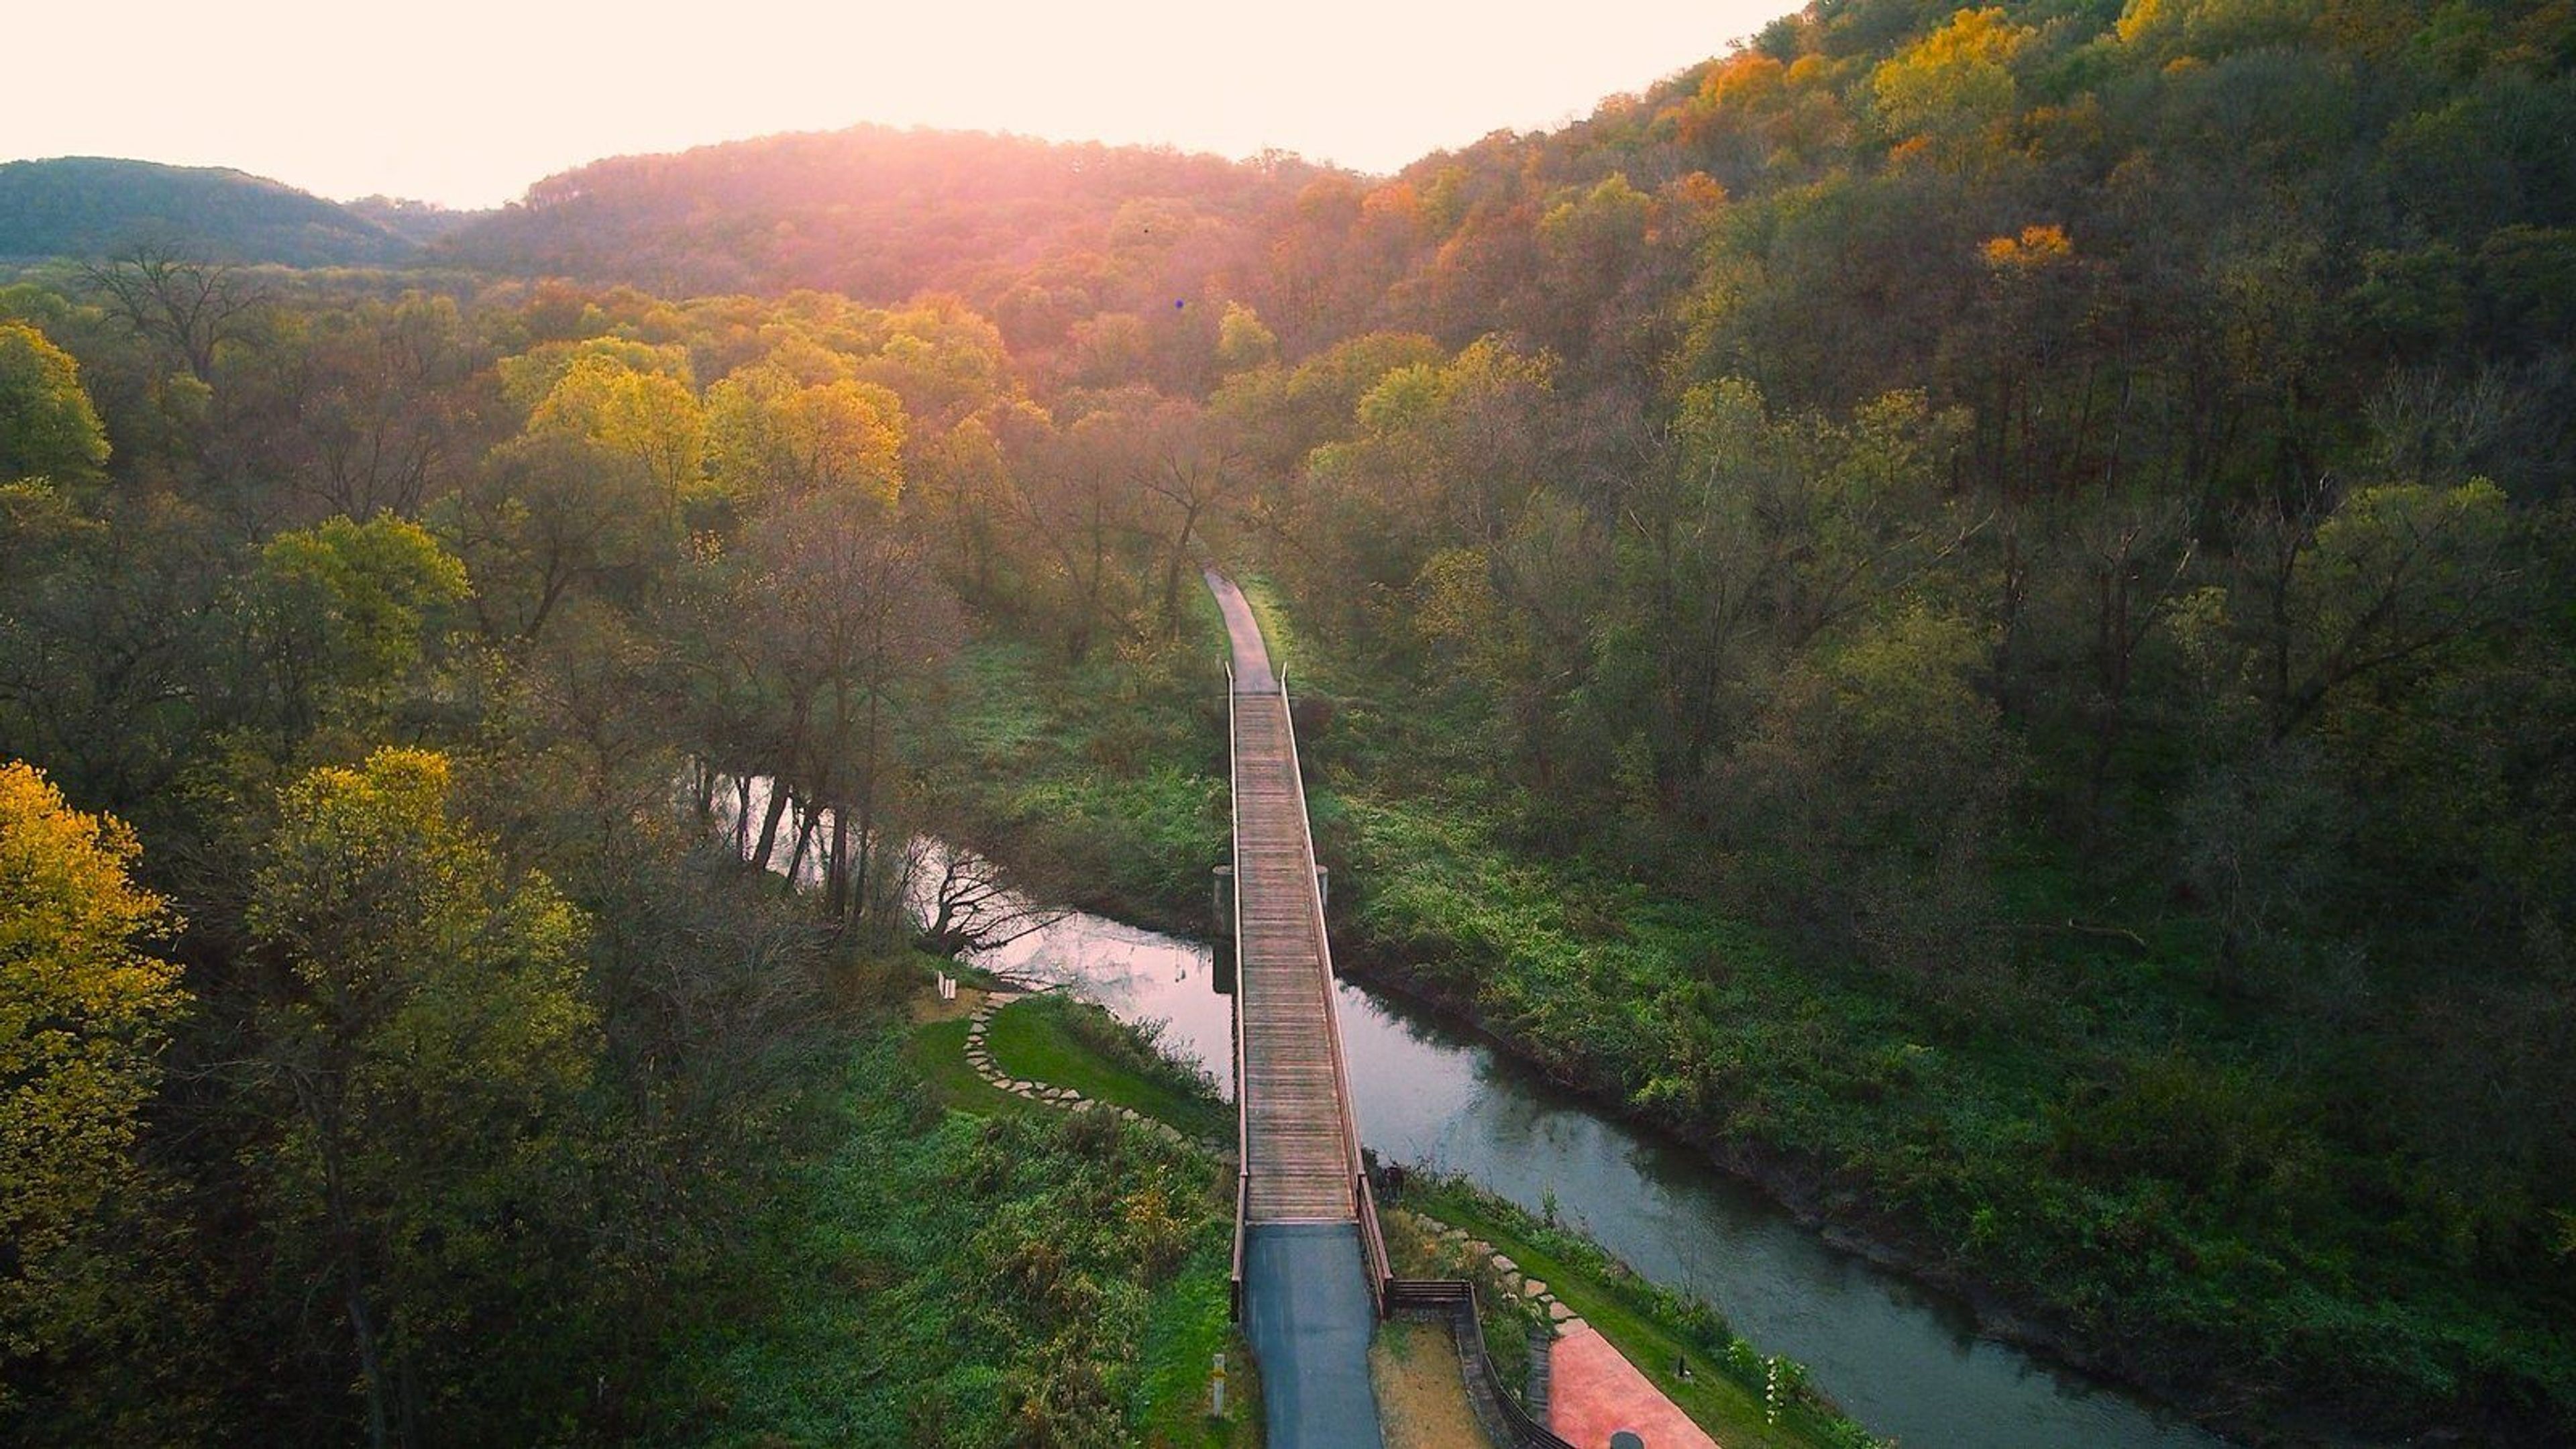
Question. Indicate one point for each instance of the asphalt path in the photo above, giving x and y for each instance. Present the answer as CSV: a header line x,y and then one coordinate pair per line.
x,y
1307,1312
1251,658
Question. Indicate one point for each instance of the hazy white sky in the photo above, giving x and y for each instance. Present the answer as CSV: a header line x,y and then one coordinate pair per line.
x,y
468,101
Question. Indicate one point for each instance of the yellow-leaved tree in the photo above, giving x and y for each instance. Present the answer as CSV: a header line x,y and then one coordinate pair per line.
x,y
85,1010
1944,91
47,426
649,417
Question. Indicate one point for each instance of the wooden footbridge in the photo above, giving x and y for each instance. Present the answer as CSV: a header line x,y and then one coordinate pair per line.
x,y
1310,1265
1311,1277
1302,1160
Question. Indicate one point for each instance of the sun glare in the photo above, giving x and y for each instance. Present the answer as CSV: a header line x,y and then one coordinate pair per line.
x,y
470,107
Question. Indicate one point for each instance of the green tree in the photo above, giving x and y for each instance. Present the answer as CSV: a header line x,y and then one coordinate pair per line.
x,y
1441,452
1949,86
769,437
47,426
1242,342
1278,415
1868,792
2383,582
2165,29
1755,539
650,417
426,1032
341,612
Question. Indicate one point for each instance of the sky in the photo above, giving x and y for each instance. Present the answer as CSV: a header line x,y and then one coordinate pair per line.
x,y
468,102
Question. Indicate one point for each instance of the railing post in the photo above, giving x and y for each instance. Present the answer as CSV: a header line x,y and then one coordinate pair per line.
x,y
1242,1092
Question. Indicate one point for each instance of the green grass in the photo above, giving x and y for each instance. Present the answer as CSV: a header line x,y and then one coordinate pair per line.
x,y
936,1055
1191,1325
1049,1039
996,715
1101,783
1070,1044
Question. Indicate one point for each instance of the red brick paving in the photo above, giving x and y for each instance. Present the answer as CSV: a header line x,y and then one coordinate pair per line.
x,y
1593,1393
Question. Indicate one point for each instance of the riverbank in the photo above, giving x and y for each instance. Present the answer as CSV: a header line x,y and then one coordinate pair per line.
x,y
1808,1190
1687,1352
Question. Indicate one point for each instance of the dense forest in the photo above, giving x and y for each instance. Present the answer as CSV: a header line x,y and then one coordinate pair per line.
x,y
1975,609
382,985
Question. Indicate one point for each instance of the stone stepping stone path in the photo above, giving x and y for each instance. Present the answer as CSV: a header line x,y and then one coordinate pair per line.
x,y
1516,1283
979,1055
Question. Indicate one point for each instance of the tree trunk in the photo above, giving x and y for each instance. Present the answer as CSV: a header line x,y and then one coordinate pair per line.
x,y
344,1246
704,796
804,839
769,824
1172,572
370,1364
867,804
836,879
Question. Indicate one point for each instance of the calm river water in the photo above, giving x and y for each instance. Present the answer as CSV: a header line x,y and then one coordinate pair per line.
x,y
1904,1361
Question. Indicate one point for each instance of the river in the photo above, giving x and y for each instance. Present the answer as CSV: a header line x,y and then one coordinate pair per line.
x,y
1905,1361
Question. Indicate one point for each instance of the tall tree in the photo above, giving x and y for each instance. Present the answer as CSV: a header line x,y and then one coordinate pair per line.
x,y
341,614
425,1034
188,307
650,417
852,623
85,1012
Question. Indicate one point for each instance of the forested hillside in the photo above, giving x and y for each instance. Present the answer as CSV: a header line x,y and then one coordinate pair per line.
x,y
1975,609
2059,517
92,207
1039,235
419,222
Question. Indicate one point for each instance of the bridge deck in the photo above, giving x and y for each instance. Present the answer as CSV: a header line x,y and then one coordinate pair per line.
x,y
1309,1262
1295,1131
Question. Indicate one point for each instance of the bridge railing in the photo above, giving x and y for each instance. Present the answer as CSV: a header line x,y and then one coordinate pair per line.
x,y
1504,1417
1372,1238
1242,1097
